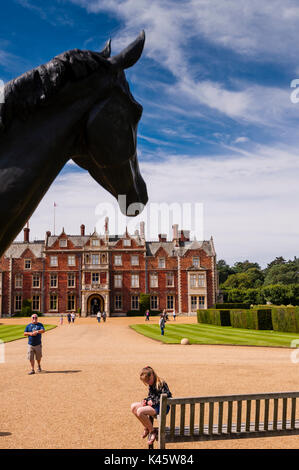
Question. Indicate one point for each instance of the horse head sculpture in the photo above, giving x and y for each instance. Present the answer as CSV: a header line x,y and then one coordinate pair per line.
x,y
77,106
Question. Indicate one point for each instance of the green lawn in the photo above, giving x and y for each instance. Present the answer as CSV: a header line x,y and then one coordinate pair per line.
x,y
13,332
211,334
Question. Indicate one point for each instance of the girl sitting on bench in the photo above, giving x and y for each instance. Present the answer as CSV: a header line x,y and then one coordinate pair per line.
x,y
150,406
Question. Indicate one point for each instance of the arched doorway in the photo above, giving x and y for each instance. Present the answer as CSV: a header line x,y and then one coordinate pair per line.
x,y
95,302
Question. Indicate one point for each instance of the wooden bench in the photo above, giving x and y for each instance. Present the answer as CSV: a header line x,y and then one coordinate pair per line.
x,y
194,419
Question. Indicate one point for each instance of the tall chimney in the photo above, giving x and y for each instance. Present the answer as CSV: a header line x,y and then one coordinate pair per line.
x,y
142,230
82,227
26,234
106,224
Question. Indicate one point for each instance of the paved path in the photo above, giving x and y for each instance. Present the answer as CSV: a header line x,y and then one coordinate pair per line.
x,y
82,399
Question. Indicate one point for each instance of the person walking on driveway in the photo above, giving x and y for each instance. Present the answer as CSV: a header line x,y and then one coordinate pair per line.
x,y
34,332
162,324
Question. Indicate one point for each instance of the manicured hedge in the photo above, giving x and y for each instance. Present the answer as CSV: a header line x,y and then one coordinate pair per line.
x,y
253,319
214,316
285,319
231,306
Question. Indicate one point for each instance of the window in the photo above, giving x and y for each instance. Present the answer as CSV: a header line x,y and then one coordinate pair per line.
x,y
154,302
134,280
71,280
18,302
63,243
201,280
135,302
154,280
127,242
71,260
103,259
170,302
71,302
118,280
95,259
53,280
197,302
196,261
53,302
118,302
36,302
95,242
87,259
53,260
35,280
19,281
134,260
170,280
193,279
161,262
27,264
95,278
193,303
117,260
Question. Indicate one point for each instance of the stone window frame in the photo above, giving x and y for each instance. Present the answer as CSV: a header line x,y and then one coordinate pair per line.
x,y
54,286
118,302
36,302
27,261
135,277
54,258
135,302
71,260
71,276
154,302
18,277
17,298
53,294
118,280
36,281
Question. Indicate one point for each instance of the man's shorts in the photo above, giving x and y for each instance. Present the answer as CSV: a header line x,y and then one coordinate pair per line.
x,y
34,351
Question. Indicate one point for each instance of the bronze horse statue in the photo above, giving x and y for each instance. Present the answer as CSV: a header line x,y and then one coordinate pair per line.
x,y
77,106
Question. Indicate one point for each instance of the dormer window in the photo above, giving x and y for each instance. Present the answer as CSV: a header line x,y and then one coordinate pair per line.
x,y
161,263
63,243
95,242
196,261
127,242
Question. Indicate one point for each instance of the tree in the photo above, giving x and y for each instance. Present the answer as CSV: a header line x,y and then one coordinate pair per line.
x,y
224,270
243,266
144,302
253,277
283,273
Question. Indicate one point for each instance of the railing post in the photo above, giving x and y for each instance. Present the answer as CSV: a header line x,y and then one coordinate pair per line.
x,y
162,420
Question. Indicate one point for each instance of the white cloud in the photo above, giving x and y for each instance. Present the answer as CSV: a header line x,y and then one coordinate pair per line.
x,y
249,201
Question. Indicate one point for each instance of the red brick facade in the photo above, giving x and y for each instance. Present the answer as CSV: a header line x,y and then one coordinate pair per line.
x,y
76,272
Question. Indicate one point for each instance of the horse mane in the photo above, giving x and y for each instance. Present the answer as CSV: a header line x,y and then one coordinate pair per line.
x,y
36,87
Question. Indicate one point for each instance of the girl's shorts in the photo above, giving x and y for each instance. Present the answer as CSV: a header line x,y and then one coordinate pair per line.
x,y
157,409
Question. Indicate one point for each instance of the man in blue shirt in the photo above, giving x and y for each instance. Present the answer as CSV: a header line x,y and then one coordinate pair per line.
x,y
34,332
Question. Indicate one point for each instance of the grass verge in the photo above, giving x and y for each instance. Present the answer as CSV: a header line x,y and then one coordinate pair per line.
x,y
13,332
212,334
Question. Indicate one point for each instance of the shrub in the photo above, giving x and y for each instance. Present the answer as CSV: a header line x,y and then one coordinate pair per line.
x,y
230,306
253,319
144,302
214,316
285,319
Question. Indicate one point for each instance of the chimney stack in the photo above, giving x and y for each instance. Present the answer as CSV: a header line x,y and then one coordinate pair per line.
x,y
26,234
162,237
82,227
184,235
142,230
106,224
175,234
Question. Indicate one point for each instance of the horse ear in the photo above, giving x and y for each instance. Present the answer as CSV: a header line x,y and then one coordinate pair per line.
x,y
130,54
107,50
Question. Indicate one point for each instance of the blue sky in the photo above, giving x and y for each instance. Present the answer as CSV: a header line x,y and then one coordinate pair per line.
x,y
218,126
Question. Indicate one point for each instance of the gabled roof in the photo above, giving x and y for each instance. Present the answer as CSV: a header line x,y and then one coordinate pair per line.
x,y
17,249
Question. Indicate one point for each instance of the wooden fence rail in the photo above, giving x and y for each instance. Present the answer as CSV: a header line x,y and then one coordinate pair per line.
x,y
193,419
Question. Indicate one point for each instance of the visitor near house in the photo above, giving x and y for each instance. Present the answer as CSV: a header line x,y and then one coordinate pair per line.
x,y
34,332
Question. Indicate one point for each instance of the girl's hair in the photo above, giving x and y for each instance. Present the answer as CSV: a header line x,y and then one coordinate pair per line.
x,y
146,373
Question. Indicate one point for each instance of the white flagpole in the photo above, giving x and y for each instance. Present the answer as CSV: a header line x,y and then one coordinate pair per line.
x,y
54,216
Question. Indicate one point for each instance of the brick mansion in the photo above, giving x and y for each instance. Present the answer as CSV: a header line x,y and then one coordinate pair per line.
x,y
66,273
